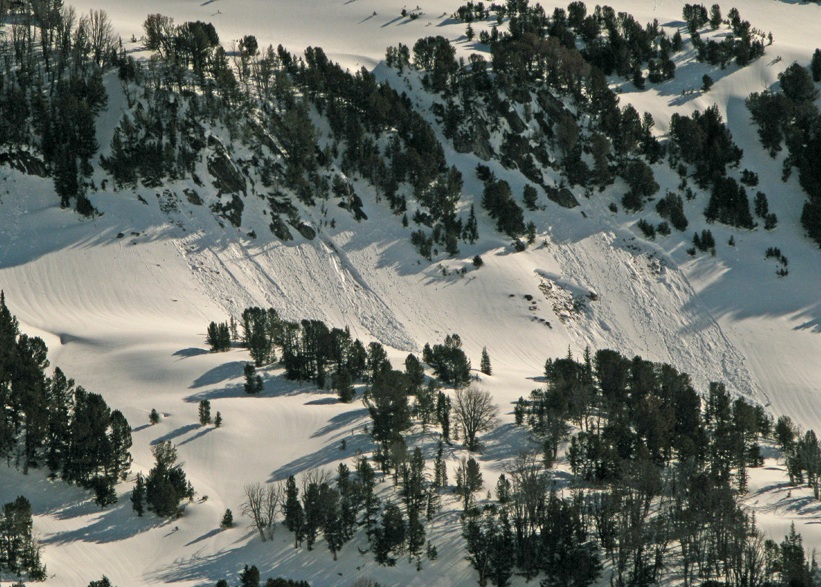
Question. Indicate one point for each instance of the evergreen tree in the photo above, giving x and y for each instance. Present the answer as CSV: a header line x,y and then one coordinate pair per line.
x,y
19,553
218,336
365,484
797,84
166,485
227,519
468,480
443,415
485,364
249,577
440,469
204,412
815,66
530,196
253,382
119,443
387,403
218,420
138,495
389,537
61,405
154,417
294,516
343,384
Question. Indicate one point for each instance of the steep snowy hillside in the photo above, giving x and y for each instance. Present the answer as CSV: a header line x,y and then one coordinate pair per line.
x,y
123,298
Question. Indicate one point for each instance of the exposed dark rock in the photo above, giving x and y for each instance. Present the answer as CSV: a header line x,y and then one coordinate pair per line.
x,y
562,196
227,176
305,230
517,125
24,162
192,196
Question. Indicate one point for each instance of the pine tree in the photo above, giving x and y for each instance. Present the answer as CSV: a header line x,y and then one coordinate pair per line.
x,y
343,385
204,412
218,420
815,66
154,416
218,336
119,443
166,485
314,508
365,484
443,415
389,536
440,469
61,404
530,196
485,364
468,480
294,516
138,495
253,382
227,520
19,553
249,577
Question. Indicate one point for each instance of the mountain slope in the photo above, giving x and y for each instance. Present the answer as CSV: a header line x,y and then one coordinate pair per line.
x,y
123,299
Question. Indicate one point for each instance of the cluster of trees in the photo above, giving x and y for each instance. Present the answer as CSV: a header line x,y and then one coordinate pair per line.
x,y
51,89
671,207
166,485
790,116
19,552
250,577
744,45
704,142
334,508
802,454
49,422
497,199
218,336
534,64
663,471
448,361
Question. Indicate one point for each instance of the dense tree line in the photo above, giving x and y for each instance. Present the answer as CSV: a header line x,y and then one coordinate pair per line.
x,y
744,45
51,89
49,422
790,117
267,98
658,468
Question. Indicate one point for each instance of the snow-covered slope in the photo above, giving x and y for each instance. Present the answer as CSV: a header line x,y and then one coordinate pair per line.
x,y
123,300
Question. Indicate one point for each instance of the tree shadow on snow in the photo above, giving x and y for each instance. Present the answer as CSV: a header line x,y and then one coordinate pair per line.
x,y
219,374
115,523
190,352
175,433
340,421
270,558
504,443
273,386
198,435
323,457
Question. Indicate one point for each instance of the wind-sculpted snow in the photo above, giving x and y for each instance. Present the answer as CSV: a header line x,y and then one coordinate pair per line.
x,y
308,280
123,301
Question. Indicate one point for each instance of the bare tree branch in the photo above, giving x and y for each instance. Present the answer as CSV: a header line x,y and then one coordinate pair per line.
x,y
475,412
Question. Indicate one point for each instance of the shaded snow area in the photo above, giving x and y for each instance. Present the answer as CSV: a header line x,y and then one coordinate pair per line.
x,y
123,301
